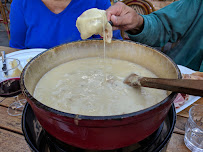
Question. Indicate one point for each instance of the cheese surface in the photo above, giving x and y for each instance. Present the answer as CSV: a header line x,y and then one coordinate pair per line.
x,y
91,87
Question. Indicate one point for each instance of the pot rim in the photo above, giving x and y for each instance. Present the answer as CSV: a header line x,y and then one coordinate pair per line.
x,y
85,117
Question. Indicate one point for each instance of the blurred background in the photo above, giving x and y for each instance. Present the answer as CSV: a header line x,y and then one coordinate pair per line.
x,y
3,36
141,6
4,22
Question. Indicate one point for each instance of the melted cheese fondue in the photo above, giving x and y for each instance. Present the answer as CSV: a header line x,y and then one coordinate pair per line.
x,y
80,87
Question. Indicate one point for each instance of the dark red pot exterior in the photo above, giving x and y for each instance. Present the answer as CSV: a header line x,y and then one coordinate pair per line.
x,y
102,134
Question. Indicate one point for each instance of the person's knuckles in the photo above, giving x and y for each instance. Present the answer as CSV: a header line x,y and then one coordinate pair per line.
x,y
120,4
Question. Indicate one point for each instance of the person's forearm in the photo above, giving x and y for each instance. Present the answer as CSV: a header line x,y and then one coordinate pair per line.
x,y
166,24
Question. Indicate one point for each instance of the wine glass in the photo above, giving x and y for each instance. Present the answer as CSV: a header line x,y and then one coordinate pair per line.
x,y
10,70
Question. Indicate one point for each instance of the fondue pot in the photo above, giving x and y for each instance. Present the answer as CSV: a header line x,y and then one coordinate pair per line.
x,y
99,132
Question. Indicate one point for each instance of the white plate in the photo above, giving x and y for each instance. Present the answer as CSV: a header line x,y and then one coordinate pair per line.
x,y
25,55
192,99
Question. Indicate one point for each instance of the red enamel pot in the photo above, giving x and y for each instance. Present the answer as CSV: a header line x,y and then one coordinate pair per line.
x,y
99,132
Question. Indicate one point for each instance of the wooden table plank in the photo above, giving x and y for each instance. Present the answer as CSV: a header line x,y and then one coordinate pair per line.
x,y
177,144
10,122
185,112
180,125
12,142
7,101
7,49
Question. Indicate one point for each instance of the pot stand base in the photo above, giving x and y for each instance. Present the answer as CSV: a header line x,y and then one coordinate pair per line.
x,y
40,141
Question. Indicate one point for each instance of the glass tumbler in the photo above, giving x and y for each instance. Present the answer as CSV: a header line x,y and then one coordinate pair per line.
x,y
10,71
194,129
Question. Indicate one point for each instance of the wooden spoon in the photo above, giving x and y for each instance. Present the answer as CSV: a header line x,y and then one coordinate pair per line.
x,y
187,86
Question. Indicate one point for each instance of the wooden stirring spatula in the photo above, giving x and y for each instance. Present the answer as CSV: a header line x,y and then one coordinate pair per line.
x,y
187,86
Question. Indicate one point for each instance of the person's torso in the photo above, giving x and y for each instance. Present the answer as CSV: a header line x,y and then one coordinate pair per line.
x,y
46,29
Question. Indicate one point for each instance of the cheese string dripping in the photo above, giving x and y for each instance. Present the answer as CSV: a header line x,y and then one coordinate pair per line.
x,y
105,74
94,21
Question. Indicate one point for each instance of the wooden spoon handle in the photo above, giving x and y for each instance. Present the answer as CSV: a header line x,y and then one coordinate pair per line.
x,y
187,86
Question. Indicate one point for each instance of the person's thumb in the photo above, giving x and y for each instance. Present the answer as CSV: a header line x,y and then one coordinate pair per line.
x,y
114,19
117,20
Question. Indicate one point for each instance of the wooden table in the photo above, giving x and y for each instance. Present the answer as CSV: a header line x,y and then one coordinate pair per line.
x,y
12,139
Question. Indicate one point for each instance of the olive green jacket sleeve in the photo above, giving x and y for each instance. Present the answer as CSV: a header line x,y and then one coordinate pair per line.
x,y
180,21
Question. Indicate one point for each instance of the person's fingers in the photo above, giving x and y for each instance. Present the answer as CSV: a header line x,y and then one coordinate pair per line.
x,y
108,14
119,20
115,9
114,19
122,16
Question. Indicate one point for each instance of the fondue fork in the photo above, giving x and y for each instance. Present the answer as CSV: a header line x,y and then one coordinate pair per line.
x,y
187,86
110,22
